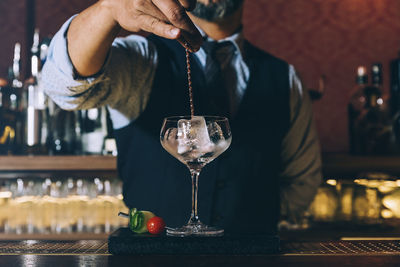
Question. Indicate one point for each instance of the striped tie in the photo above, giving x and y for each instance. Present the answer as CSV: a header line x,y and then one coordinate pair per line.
x,y
220,79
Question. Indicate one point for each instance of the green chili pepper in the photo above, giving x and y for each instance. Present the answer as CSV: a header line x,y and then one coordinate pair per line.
x,y
138,220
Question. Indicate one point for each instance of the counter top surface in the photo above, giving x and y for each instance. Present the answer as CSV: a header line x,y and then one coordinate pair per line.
x,y
307,253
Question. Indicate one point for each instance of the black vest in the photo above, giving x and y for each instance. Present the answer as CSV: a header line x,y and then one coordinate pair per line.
x,y
239,190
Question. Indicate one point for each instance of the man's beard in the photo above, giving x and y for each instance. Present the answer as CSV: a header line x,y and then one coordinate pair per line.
x,y
215,11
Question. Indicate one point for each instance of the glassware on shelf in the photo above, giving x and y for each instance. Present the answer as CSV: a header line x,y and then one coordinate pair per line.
x,y
391,205
372,198
52,206
325,204
366,204
5,196
346,193
195,141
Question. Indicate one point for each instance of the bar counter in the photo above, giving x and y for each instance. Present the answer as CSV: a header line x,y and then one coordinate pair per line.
x,y
317,247
293,253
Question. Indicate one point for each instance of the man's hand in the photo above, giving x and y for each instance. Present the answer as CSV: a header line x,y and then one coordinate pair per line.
x,y
91,33
166,18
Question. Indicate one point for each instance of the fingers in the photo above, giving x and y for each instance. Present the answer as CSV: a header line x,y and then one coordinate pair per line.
x,y
177,16
148,8
189,5
159,27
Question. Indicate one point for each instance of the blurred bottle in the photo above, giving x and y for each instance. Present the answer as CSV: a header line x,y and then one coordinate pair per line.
x,y
395,97
316,94
109,144
63,136
395,84
36,111
3,83
11,130
356,105
93,123
372,124
7,129
44,48
14,96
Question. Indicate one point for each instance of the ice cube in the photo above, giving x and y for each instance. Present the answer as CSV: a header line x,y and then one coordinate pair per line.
x,y
215,132
193,136
218,138
170,142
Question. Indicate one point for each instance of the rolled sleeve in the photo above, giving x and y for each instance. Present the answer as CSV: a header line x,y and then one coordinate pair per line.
x,y
300,154
123,84
58,78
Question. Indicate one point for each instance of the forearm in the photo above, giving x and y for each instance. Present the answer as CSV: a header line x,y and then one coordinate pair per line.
x,y
130,65
90,36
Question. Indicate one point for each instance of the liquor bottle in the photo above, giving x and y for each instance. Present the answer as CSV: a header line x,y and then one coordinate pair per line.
x,y
35,119
109,143
3,84
93,130
7,131
395,85
317,93
62,135
16,98
373,126
356,105
44,48
15,77
395,98
11,128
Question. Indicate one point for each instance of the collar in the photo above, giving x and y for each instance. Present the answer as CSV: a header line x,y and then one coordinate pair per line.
x,y
237,39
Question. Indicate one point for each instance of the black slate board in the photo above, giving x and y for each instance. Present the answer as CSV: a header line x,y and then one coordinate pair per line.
x,y
124,241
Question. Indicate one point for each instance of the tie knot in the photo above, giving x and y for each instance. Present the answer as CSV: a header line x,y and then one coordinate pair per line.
x,y
210,45
220,51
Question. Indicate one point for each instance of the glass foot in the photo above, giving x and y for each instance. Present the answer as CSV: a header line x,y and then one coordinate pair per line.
x,y
182,231
195,230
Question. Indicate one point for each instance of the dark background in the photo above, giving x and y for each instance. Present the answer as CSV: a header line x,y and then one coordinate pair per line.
x,y
319,37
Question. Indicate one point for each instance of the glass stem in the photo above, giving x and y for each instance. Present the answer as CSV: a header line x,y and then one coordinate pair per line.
x,y
194,218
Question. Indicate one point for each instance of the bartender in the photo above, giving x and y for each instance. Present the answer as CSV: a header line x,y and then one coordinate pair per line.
x,y
271,170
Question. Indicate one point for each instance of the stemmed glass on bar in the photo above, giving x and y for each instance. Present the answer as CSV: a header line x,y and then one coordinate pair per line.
x,y
195,141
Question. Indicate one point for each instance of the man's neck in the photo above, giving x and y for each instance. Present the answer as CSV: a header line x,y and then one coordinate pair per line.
x,y
222,28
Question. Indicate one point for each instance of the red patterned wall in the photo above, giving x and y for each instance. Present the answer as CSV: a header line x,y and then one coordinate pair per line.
x,y
327,37
12,30
319,37
51,14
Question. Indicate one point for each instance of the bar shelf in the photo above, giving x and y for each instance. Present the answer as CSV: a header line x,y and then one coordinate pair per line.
x,y
59,166
346,166
335,165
